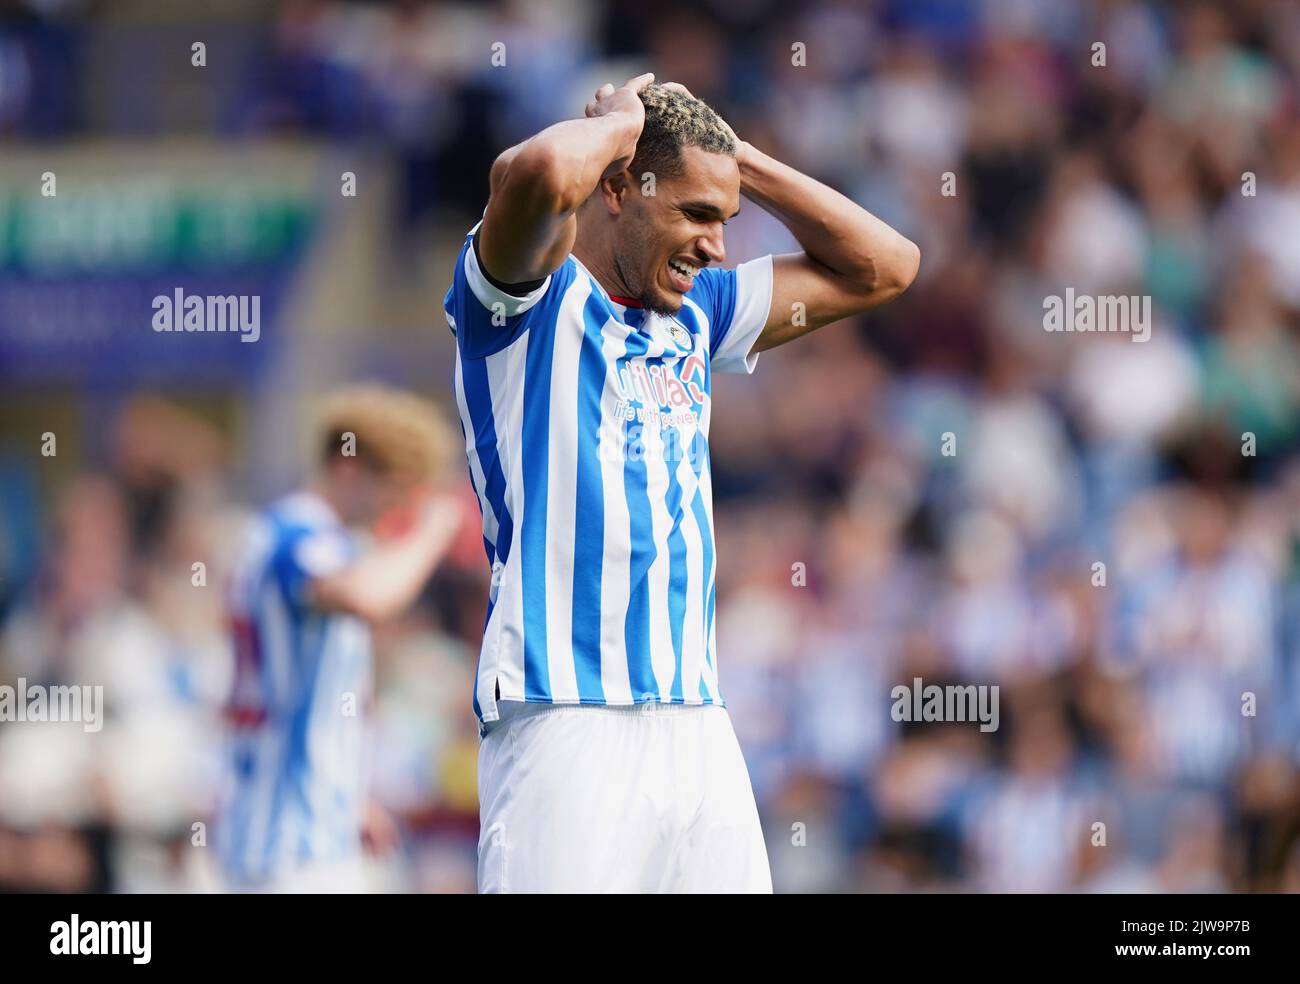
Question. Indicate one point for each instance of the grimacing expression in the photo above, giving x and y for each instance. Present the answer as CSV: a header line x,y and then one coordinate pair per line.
x,y
666,238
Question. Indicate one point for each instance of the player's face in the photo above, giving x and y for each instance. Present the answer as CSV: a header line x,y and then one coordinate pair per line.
x,y
677,231
355,490
363,494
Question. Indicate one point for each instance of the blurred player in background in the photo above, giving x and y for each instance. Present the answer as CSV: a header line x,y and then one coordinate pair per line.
x,y
304,590
590,310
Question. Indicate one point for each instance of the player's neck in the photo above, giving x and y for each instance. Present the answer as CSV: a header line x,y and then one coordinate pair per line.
x,y
599,261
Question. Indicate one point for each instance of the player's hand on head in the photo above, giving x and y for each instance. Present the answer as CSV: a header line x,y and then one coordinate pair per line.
x,y
624,99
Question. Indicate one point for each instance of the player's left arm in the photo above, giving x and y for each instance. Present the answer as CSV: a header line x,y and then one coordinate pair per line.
x,y
851,261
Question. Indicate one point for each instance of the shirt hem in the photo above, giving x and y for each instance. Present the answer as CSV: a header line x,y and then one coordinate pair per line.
x,y
593,702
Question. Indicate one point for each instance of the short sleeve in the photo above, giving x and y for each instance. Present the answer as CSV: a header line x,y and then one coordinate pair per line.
x,y
485,318
737,303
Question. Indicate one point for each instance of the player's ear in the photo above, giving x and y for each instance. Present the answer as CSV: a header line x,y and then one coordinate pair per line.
x,y
614,191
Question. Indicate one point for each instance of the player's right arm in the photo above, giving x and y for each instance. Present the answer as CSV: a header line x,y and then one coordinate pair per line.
x,y
537,186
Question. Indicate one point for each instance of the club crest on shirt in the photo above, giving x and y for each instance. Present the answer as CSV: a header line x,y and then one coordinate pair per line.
x,y
679,335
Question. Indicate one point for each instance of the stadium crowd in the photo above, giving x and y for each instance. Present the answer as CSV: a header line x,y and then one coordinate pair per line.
x,y
1106,529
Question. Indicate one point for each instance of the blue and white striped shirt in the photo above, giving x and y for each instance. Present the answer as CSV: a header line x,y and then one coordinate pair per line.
x,y
296,788
586,427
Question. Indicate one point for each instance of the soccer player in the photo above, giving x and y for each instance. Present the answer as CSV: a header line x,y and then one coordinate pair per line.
x,y
590,310
303,592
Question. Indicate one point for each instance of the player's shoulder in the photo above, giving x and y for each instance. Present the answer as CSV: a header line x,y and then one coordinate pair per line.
x,y
299,517
301,509
470,272
487,316
712,285
719,291
305,539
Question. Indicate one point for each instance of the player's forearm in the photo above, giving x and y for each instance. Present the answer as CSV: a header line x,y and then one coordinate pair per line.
x,y
559,168
388,578
833,230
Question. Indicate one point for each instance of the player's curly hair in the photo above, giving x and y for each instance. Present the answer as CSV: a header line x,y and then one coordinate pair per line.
x,y
398,434
673,122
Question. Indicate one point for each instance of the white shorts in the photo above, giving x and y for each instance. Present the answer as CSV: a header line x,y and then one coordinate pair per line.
x,y
649,798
